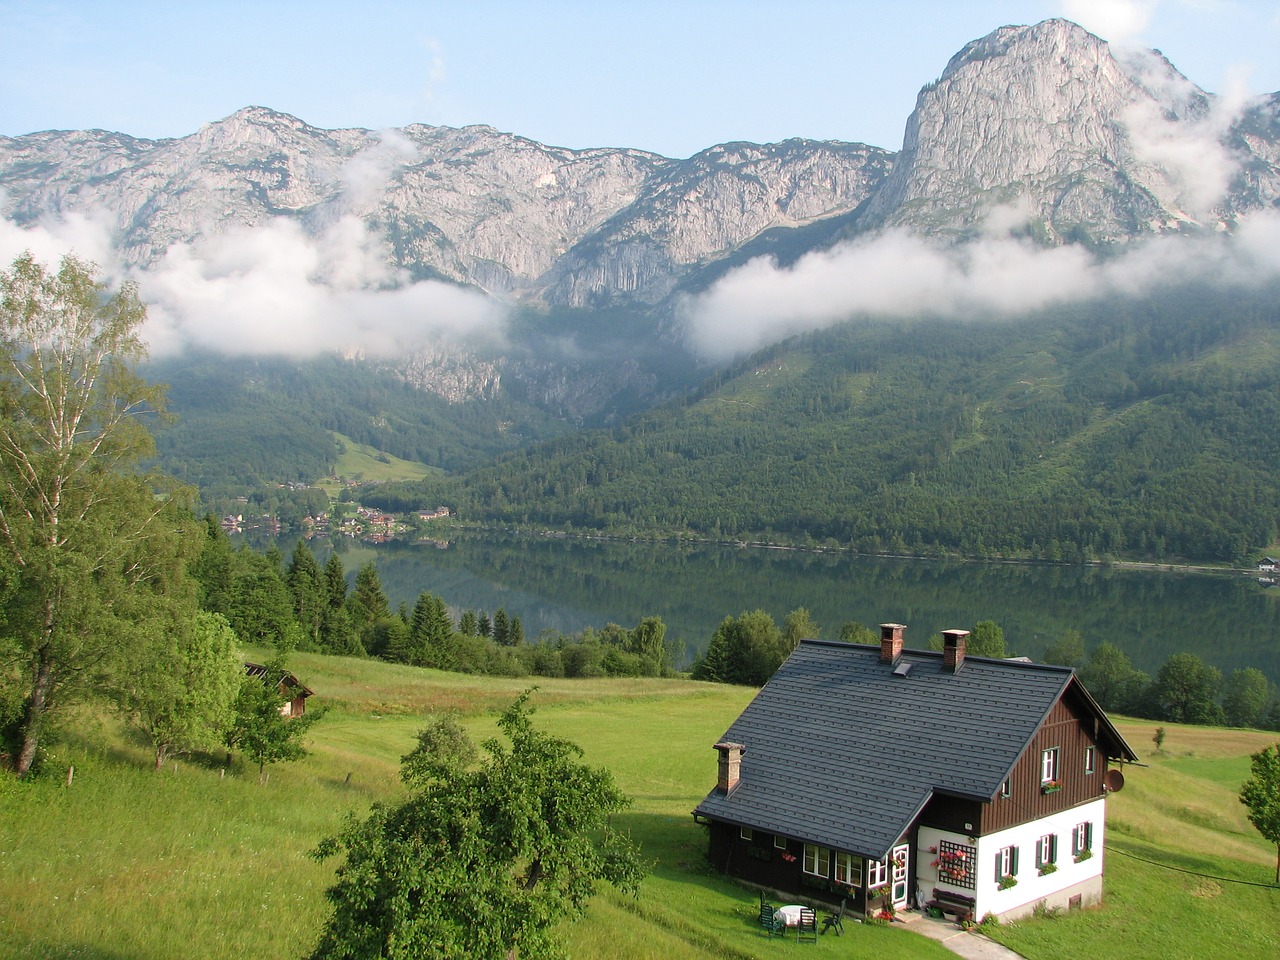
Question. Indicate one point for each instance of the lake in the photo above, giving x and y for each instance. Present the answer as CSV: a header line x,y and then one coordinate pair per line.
x,y
556,583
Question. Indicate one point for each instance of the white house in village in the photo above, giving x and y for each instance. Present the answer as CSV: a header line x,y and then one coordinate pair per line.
x,y
968,784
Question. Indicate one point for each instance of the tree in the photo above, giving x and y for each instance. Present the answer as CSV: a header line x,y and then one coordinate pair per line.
x,y
80,527
260,729
1111,678
307,590
648,641
746,650
1186,691
336,633
367,603
1245,699
852,631
1261,794
260,609
987,640
482,861
180,689
501,628
1067,650
798,626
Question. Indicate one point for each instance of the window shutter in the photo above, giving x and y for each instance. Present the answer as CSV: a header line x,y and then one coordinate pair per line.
x,y
1088,835
1015,861
1053,848
999,858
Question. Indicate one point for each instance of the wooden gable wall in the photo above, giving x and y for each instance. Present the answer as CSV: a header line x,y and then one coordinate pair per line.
x,y
1069,728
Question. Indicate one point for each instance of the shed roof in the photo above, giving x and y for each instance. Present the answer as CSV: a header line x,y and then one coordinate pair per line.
x,y
844,750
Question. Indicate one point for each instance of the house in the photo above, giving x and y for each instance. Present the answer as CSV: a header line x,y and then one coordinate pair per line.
x,y
289,687
920,777
1268,565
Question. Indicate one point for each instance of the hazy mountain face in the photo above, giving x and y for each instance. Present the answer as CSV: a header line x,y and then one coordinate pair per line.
x,y
1043,164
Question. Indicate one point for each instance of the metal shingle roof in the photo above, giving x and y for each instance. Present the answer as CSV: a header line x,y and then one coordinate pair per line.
x,y
844,752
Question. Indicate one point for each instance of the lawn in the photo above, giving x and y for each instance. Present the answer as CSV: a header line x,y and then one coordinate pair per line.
x,y
192,862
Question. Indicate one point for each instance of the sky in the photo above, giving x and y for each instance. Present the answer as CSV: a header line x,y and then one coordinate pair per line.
x,y
668,77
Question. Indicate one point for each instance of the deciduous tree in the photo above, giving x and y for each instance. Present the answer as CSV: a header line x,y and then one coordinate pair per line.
x,y
1247,694
181,682
78,521
1186,690
480,862
260,729
1261,794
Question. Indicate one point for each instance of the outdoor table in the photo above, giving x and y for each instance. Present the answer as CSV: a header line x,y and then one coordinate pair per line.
x,y
790,914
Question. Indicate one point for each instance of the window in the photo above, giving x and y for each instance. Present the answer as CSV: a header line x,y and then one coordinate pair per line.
x,y
817,860
1046,850
1006,863
744,833
1005,790
1090,759
848,869
955,863
1049,766
779,841
877,873
1081,839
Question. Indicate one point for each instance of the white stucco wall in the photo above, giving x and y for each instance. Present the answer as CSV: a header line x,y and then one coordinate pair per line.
x,y
1082,879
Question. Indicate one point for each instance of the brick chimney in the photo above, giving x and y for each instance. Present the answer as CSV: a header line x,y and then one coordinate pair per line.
x,y
730,765
953,649
891,642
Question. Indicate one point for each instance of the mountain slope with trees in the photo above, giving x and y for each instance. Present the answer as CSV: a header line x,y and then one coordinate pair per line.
x,y
1126,429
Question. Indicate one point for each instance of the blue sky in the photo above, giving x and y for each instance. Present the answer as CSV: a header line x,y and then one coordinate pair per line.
x,y
671,77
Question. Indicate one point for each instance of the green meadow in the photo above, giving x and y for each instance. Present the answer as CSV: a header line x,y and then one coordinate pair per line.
x,y
195,861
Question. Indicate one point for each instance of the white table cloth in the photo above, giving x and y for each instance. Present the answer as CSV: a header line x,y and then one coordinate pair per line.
x,y
790,914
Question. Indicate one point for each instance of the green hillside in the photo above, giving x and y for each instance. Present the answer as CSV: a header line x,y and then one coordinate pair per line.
x,y
1138,430
129,862
244,422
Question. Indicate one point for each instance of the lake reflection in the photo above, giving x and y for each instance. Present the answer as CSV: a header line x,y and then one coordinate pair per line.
x,y
566,584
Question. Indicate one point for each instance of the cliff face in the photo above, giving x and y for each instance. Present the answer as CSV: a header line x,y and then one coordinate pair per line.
x,y
506,214
1088,144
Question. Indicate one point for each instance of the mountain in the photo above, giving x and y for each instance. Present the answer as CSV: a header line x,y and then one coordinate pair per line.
x,y
1093,145
1088,182
1099,145
1120,429
473,205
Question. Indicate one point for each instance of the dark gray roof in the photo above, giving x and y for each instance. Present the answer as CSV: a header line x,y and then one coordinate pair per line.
x,y
843,750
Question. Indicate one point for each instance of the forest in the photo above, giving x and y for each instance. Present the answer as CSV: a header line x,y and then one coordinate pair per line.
x,y
1126,429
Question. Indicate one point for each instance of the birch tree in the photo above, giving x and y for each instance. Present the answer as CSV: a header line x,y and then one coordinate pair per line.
x,y
76,518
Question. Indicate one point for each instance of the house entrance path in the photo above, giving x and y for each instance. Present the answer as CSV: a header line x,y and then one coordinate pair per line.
x,y
972,946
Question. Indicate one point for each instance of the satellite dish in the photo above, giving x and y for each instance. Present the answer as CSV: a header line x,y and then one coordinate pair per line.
x,y
1114,781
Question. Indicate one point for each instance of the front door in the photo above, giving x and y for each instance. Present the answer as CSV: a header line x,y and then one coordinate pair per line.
x,y
898,875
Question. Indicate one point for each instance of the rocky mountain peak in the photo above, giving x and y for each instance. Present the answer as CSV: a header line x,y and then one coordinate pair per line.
x,y
1085,143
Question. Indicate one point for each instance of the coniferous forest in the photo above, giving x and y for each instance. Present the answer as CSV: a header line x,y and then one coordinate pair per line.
x,y
1141,430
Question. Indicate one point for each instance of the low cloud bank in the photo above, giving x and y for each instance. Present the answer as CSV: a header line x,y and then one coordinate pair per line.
x,y
897,274
274,289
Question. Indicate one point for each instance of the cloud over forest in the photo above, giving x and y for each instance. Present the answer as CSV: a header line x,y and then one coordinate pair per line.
x,y
273,289
898,274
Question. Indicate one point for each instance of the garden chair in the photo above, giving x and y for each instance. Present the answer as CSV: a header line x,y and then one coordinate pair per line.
x,y
768,923
808,926
835,921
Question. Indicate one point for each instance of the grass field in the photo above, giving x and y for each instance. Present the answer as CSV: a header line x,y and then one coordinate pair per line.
x,y
126,862
360,461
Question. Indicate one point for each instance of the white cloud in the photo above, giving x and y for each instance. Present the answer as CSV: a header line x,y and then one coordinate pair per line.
x,y
901,275
85,235
365,175
274,289
1119,21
